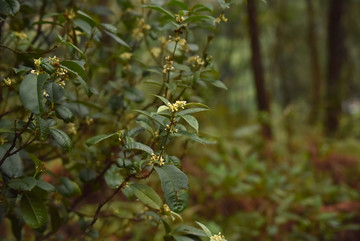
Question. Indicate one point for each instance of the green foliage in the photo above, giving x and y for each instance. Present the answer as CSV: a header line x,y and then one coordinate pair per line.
x,y
74,73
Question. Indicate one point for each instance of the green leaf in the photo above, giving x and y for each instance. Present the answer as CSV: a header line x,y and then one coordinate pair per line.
x,y
219,84
147,195
160,9
23,184
55,91
9,7
31,92
64,113
195,137
160,120
13,165
162,108
45,186
96,139
201,18
117,39
138,146
186,238
166,101
42,128
75,66
191,120
84,26
175,186
33,211
185,229
191,111
61,138
86,18
87,175
113,177
205,229
68,188
78,67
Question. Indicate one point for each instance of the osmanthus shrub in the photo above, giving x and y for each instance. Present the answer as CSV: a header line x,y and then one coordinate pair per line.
x,y
92,97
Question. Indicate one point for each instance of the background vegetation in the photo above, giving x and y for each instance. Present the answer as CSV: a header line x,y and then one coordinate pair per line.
x,y
274,158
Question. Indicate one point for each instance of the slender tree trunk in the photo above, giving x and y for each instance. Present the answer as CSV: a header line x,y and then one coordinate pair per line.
x,y
336,59
262,97
315,64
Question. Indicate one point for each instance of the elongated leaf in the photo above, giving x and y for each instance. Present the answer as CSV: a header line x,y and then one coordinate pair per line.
x,y
191,111
175,186
84,26
96,139
205,229
79,78
113,177
31,92
23,184
185,229
160,9
55,92
68,188
163,99
219,84
64,113
9,7
45,186
13,165
33,211
138,146
42,128
117,39
186,238
147,195
159,119
86,17
75,66
191,120
61,138
195,137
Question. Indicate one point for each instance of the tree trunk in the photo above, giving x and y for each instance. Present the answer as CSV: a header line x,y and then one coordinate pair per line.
x,y
258,71
315,64
336,59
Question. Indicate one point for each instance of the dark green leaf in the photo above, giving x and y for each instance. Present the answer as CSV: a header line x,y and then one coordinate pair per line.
x,y
96,139
191,120
42,128
205,229
191,111
86,17
219,84
87,175
9,7
186,238
23,184
175,186
55,91
75,66
67,187
117,39
64,113
61,138
33,211
147,195
31,92
138,146
84,26
195,137
45,186
113,177
188,230
13,165
160,9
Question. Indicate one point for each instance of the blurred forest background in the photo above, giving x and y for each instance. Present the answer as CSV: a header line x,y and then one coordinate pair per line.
x,y
287,163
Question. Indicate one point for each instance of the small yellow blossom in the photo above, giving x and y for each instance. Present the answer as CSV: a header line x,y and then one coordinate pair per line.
x,y
217,237
71,128
126,55
35,72
166,208
9,81
37,62
54,60
179,19
21,35
61,72
155,51
168,65
3,141
61,83
176,106
69,14
156,159
138,32
45,94
163,41
220,18
196,61
89,121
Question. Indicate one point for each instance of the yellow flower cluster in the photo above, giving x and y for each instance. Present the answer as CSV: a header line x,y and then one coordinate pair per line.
x,y
126,55
156,159
171,128
168,65
220,18
54,60
37,62
21,35
196,61
9,81
138,32
155,51
217,237
178,105
179,19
